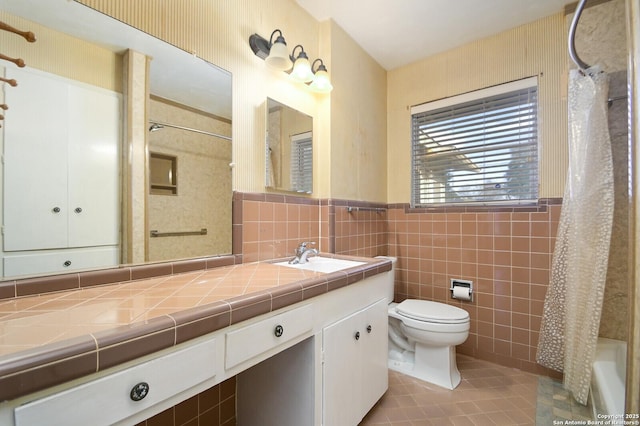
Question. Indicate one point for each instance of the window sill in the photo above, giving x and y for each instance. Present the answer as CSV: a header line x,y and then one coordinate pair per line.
x,y
540,206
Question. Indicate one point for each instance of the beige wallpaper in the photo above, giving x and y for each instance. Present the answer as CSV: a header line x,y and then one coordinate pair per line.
x,y
357,165
349,124
535,49
219,33
78,60
359,120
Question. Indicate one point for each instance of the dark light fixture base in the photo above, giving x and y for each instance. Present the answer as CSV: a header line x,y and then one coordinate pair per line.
x,y
260,46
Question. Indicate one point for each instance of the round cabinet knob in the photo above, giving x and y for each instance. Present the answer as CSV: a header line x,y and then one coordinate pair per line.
x,y
357,335
78,210
369,328
56,209
139,391
67,263
279,330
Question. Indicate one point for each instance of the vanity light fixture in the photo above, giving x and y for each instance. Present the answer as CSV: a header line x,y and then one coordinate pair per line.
x,y
301,67
276,55
321,81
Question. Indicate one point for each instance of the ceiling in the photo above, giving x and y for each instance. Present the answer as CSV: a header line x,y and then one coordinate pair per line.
x,y
399,32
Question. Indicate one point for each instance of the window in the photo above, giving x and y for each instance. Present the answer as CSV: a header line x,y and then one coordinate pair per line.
x,y
302,162
477,148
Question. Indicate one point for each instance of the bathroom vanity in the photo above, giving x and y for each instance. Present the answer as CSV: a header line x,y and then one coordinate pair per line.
x,y
307,347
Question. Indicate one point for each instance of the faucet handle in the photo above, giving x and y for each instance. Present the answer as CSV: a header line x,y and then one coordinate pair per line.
x,y
303,245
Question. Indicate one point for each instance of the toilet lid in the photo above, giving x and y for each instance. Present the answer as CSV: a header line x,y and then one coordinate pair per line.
x,y
424,310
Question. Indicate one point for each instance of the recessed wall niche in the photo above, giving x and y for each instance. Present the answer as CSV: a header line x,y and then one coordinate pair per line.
x,y
163,174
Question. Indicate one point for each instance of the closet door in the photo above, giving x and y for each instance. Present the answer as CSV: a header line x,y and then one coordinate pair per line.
x,y
94,137
35,162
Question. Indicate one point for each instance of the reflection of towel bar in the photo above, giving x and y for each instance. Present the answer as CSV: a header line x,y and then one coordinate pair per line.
x,y
155,233
366,209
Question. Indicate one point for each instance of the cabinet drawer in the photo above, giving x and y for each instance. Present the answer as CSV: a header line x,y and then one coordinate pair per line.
x,y
248,342
30,263
109,399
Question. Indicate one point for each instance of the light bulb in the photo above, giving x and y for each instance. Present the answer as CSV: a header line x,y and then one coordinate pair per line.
x,y
321,82
302,69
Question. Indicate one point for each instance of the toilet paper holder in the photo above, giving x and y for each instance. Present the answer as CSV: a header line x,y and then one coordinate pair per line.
x,y
464,285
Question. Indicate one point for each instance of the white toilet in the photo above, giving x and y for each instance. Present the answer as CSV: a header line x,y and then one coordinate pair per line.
x,y
423,336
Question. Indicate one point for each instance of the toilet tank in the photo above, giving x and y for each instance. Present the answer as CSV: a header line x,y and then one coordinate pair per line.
x,y
391,276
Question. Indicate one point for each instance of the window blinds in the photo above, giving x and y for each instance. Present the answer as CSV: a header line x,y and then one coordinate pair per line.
x,y
482,150
302,163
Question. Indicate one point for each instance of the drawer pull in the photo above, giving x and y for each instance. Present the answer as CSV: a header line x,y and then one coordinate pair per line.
x,y
369,328
279,331
66,263
357,335
56,209
139,391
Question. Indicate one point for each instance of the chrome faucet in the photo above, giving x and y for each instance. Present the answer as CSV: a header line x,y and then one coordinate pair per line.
x,y
302,252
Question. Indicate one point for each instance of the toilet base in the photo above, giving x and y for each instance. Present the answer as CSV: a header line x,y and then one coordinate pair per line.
x,y
436,365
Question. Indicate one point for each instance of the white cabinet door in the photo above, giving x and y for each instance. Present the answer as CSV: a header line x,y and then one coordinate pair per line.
x,y
354,365
341,372
61,174
35,163
375,376
93,167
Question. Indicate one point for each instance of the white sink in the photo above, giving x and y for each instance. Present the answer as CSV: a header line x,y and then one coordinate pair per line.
x,y
322,264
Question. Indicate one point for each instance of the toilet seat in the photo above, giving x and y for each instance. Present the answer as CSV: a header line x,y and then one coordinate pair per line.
x,y
434,312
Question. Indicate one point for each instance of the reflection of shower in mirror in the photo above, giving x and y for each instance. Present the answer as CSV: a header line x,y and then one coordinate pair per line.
x,y
157,126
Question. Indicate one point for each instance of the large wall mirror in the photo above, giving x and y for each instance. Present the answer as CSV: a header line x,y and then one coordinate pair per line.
x,y
289,149
66,142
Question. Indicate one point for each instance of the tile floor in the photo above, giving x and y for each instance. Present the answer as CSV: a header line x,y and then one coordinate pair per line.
x,y
489,394
556,404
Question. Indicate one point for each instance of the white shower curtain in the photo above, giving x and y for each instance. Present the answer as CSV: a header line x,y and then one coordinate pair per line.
x,y
573,305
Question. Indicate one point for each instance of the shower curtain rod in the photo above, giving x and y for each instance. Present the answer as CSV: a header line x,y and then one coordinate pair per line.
x,y
572,37
615,98
159,123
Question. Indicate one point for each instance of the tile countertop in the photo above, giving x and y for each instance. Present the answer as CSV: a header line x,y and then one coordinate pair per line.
x,y
52,338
